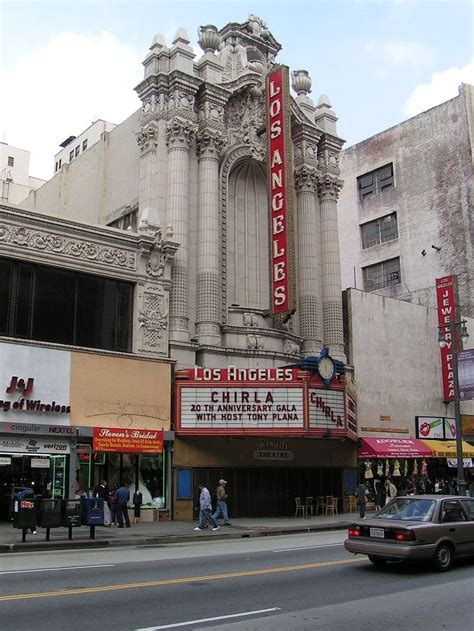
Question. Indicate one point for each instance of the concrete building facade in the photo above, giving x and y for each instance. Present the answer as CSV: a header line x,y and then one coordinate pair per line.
x,y
15,179
406,209
73,146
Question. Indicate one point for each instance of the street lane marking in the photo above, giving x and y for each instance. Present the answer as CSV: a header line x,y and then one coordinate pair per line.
x,y
321,545
234,615
178,581
58,569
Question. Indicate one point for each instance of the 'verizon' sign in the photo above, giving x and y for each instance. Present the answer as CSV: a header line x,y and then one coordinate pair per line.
x,y
446,298
280,174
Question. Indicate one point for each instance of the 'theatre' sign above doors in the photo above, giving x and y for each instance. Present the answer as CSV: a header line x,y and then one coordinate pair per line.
x,y
280,176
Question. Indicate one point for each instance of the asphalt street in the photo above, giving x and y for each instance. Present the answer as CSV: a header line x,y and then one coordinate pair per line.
x,y
289,582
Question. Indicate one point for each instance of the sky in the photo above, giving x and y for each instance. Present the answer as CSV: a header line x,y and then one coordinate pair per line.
x,y
65,63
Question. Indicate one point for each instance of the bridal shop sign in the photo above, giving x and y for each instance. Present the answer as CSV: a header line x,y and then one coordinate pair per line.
x,y
128,441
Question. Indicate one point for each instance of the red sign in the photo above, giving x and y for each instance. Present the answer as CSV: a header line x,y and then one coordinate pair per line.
x,y
446,299
393,448
280,183
127,440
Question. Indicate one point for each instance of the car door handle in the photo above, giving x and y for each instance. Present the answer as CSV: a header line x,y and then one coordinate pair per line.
x,y
452,530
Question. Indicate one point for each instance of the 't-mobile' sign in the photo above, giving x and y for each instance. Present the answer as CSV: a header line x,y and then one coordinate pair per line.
x,y
446,298
280,172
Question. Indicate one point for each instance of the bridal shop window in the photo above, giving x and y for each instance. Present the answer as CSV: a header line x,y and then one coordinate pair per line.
x,y
145,472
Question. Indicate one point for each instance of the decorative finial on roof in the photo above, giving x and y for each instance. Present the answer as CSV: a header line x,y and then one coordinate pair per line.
x,y
181,36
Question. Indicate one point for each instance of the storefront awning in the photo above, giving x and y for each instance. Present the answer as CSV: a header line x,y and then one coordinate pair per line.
x,y
447,448
394,448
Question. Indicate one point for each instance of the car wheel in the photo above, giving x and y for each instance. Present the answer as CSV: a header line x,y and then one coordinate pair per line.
x,y
377,561
443,558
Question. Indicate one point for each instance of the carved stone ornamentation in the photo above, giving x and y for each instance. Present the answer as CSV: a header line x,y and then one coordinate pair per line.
x,y
153,319
329,186
254,342
245,116
182,103
209,38
301,82
68,247
179,133
249,319
210,143
305,179
147,138
291,347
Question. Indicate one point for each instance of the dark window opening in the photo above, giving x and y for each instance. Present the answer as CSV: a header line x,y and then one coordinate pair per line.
x,y
65,307
379,231
375,182
11,161
384,274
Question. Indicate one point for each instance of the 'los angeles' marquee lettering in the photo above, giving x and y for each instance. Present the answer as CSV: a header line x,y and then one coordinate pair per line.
x,y
279,167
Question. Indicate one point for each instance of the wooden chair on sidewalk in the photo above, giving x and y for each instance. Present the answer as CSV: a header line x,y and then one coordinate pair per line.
x,y
310,506
321,505
300,507
331,506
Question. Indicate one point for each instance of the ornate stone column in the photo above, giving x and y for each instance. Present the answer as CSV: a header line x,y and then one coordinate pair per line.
x,y
179,134
329,186
210,144
309,263
305,138
147,139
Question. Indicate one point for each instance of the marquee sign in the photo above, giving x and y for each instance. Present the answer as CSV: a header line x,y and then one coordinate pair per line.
x,y
446,299
280,174
259,402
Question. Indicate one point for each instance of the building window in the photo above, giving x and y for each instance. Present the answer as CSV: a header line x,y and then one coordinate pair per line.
x,y
60,163
379,231
126,222
54,305
76,153
375,182
384,274
71,155
56,167
11,161
84,145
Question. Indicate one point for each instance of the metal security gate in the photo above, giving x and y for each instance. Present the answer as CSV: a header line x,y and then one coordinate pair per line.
x,y
269,492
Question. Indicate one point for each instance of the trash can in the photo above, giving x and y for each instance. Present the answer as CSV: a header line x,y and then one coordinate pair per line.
x,y
71,513
93,511
49,513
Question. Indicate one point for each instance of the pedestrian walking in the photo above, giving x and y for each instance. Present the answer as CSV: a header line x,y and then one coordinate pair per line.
x,y
205,509
122,496
221,508
137,506
102,492
361,499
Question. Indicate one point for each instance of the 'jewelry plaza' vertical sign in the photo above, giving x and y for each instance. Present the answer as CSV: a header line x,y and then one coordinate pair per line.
x,y
280,175
446,291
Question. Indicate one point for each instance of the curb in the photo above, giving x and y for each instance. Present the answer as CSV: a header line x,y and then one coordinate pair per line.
x,y
67,544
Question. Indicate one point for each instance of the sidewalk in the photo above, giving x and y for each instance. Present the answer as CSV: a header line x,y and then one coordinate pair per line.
x,y
166,533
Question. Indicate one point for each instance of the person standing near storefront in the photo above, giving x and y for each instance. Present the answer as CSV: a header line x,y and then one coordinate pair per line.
x,y
205,509
361,499
102,493
221,508
122,496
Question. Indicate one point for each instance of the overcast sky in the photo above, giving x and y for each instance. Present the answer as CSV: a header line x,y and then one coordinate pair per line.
x,y
64,63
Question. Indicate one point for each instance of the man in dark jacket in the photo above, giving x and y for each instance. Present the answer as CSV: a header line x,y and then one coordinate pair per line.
x,y
122,496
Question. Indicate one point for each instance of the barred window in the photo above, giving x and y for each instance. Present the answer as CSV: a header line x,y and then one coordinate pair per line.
x,y
126,222
375,182
379,231
384,274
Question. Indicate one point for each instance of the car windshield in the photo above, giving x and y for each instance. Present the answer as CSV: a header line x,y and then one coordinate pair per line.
x,y
408,509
